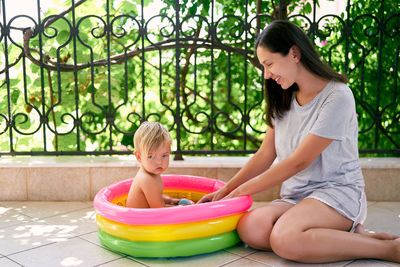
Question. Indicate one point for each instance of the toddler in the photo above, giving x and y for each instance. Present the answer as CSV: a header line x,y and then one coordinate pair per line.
x,y
152,149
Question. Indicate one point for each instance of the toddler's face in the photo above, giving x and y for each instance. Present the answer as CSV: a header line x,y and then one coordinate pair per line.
x,y
157,160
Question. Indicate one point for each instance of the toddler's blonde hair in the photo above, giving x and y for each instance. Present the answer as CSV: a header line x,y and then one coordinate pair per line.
x,y
150,135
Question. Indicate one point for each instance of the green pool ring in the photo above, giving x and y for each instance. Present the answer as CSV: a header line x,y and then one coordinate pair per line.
x,y
166,249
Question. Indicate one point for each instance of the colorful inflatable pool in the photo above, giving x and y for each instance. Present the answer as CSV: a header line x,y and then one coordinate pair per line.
x,y
172,231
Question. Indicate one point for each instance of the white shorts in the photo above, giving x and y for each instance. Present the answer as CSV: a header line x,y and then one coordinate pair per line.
x,y
349,201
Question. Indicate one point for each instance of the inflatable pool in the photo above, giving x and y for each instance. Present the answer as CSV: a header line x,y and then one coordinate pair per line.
x,y
171,231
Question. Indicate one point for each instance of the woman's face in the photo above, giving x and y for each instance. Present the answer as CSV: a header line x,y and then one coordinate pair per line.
x,y
282,69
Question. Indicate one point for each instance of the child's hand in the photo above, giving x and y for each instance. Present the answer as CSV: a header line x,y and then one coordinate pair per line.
x,y
170,201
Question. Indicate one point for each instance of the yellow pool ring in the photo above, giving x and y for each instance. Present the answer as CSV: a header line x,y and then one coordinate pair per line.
x,y
169,232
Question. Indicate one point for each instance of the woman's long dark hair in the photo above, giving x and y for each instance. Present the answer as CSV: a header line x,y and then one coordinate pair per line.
x,y
278,37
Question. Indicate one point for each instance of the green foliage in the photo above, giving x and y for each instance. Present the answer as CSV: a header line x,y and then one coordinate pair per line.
x,y
372,56
218,88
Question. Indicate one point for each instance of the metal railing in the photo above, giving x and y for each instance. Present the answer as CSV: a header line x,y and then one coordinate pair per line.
x,y
80,83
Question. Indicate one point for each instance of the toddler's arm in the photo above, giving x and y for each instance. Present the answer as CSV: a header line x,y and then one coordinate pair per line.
x,y
153,193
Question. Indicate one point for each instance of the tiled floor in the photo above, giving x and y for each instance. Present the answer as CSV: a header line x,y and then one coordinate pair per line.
x,y
65,234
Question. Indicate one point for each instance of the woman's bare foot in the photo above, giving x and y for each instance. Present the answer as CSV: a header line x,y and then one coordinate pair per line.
x,y
382,236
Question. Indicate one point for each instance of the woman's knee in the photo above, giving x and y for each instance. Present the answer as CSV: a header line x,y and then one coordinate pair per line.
x,y
254,229
286,242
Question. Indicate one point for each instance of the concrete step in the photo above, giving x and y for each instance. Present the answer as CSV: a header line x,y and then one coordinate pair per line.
x,y
80,178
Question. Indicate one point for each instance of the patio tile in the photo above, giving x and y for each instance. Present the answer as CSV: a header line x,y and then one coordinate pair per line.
x,y
65,234
92,237
213,259
79,222
372,263
241,249
9,217
245,262
388,263
123,262
272,259
29,235
42,209
74,252
392,206
383,217
4,262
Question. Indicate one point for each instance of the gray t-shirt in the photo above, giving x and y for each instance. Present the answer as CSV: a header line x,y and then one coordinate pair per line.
x,y
331,114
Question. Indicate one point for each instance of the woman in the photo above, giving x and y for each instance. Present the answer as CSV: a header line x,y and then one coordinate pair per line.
x,y
313,137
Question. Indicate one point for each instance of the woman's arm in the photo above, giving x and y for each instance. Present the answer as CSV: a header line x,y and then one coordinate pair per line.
x,y
257,164
309,149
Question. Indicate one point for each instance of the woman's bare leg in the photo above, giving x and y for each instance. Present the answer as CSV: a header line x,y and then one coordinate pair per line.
x,y
254,228
313,232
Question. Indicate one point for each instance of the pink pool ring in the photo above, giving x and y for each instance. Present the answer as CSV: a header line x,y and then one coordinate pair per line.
x,y
171,215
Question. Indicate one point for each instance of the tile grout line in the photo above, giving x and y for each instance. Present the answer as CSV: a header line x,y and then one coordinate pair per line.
x,y
13,261
229,262
24,250
52,243
259,261
240,257
250,253
31,219
351,261
104,247
80,236
136,260
387,263
125,257
244,257
101,246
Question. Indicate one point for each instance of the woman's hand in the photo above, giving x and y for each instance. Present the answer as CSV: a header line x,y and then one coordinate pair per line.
x,y
214,196
234,193
207,198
